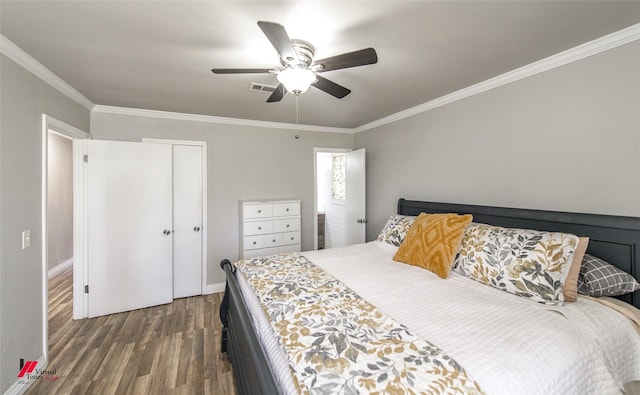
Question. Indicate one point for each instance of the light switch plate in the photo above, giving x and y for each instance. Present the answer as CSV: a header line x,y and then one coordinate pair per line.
x,y
26,239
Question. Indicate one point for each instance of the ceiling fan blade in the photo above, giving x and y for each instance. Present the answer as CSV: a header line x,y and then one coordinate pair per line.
x,y
346,60
277,95
242,71
280,40
331,87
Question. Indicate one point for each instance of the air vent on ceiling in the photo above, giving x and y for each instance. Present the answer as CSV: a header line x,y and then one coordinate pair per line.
x,y
261,88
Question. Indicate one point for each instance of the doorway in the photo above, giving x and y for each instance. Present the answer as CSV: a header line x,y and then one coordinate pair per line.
x,y
339,196
59,230
59,202
58,219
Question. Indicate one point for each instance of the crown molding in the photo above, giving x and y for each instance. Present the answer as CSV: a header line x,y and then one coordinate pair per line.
x,y
214,119
596,46
590,48
25,60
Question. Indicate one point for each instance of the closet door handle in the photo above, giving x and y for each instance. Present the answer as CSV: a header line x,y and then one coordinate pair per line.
x,y
166,232
196,229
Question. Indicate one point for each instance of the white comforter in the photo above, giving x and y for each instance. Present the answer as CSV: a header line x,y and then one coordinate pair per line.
x,y
508,344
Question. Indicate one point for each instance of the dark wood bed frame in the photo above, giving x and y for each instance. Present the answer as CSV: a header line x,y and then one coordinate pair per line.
x,y
613,238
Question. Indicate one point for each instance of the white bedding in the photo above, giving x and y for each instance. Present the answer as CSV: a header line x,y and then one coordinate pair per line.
x,y
508,344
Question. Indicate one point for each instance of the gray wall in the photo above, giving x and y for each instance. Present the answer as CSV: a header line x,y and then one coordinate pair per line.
x,y
59,200
243,163
567,139
23,100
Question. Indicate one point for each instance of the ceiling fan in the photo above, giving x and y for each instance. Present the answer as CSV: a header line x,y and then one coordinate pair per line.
x,y
300,69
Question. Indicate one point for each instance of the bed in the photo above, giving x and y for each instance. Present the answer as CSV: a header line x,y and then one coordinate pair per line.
x,y
500,341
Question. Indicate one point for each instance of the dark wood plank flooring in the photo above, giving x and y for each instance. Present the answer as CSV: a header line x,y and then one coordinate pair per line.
x,y
168,349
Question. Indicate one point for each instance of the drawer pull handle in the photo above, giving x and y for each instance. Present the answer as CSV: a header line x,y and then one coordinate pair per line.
x,y
259,227
274,240
288,225
287,209
292,238
259,211
254,243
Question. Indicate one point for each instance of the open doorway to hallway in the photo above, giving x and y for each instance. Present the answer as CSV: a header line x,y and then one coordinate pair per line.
x,y
59,202
59,227
59,220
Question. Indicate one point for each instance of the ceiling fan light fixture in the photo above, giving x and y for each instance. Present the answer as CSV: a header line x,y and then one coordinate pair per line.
x,y
295,80
298,66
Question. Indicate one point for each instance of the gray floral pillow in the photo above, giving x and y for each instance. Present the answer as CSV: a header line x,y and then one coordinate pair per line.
x,y
599,278
395,230
527,263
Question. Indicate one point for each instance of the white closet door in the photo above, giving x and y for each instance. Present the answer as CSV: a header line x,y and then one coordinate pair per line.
x,y
187,220
129,203
355,198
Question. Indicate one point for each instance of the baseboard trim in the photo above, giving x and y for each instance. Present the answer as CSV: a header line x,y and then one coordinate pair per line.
x,y
22,385
213,288
57,269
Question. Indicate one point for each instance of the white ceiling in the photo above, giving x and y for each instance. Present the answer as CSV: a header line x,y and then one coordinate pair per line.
x,y
158,55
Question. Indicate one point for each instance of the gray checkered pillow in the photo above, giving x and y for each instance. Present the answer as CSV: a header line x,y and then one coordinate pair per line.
x,y
599,278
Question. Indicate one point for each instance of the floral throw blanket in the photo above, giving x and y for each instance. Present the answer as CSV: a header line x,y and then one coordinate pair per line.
x,y
336,342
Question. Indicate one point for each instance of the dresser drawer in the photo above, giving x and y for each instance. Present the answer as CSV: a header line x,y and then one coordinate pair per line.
x,y
253,242
286,225
272,240
257,211
257,227
286,209
290,238
271,250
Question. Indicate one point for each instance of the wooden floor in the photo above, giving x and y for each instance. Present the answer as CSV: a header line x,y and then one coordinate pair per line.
x,y
168,349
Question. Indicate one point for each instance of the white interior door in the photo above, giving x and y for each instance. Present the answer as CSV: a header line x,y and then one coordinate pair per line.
x,y
187,220
355,197
129,241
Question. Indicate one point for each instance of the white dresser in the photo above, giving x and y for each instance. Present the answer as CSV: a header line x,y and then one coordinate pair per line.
x,y
269,227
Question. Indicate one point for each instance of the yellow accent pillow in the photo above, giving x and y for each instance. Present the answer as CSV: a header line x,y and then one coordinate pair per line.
x,y
433,241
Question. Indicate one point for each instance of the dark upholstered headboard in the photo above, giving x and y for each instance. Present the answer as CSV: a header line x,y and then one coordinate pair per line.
x,y
612,238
